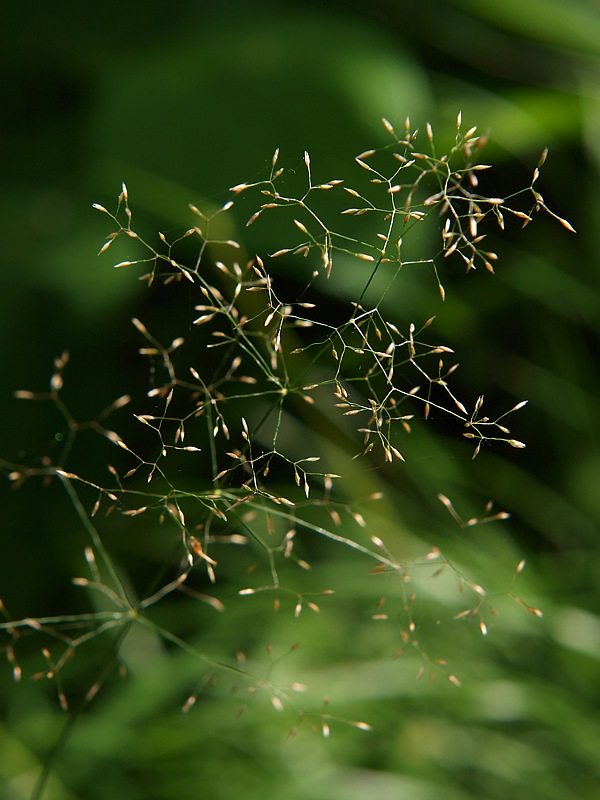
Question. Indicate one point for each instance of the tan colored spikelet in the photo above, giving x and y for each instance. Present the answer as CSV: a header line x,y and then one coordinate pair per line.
x,y
301,226
276,703
108,243
388,126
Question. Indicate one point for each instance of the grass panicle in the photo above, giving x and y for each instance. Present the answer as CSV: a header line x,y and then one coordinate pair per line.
x,y
272,399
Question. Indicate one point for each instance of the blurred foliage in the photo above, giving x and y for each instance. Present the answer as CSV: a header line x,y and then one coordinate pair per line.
x,y
182,103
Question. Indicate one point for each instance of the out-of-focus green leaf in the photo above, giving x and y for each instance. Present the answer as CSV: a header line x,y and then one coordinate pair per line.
x,y
575,25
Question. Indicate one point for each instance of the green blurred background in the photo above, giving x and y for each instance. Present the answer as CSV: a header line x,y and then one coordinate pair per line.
x,y
181,101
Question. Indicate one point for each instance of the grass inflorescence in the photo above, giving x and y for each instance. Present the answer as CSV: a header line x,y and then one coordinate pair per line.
x,y
272,394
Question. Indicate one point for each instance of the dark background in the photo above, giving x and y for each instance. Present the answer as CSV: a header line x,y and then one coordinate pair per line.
x,y
182,101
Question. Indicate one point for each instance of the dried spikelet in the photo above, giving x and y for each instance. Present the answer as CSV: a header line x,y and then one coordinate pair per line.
x,y
458,404
451,250
448,504
473,226
276,703
363,164
111,238
388,126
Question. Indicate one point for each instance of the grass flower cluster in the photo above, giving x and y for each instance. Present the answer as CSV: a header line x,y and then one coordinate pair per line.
x,y
278,388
